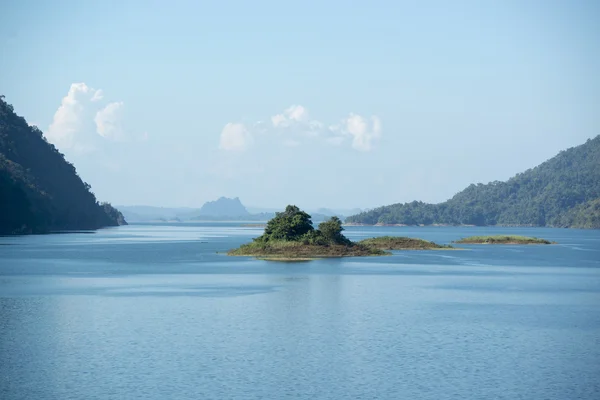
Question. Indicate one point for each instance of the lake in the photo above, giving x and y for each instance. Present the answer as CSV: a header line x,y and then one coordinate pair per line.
x,y
158,312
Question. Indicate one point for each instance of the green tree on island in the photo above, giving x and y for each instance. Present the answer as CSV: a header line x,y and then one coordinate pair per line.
x,y
331,231
291,224
295,225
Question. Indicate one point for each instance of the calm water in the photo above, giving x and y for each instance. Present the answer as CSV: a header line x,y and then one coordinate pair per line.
x,y
154,312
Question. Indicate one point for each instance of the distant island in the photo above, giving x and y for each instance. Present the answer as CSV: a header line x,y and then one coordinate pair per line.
x,y
561,192
40,192
402,243
290,235
503,239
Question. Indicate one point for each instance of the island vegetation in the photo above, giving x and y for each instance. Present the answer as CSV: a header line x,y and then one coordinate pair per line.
x,y
290,235
503,239
402,243
561,192
40,191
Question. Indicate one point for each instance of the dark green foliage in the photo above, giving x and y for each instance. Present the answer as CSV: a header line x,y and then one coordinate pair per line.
x,y
314,237
16,215
295,225
331,231
113,213
586,216
551,194
290,225
39,190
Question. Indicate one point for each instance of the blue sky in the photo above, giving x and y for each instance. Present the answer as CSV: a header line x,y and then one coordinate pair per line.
x,y
332,104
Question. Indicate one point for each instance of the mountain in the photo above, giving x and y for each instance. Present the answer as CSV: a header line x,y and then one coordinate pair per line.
x,y
150,213
336,212
224,207
39,190
154,214
561,192
328,212
233,209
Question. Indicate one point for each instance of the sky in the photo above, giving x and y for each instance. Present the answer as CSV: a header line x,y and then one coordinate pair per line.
x,y
316,103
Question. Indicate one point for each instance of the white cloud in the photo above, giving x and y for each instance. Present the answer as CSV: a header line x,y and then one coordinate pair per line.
x,y
235,137
293,125
67,119
81,116
98,95
291,115
297,113
363,136
279,121
108,121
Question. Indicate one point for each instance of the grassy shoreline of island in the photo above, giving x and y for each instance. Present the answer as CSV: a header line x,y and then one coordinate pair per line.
x,y
503,239
403,243
380,224
294,250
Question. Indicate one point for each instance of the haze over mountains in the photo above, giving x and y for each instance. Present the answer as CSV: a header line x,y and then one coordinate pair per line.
x,y
222,209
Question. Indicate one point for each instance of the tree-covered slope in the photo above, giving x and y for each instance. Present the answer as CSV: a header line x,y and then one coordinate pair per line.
x,y
586,215
39,190
563,191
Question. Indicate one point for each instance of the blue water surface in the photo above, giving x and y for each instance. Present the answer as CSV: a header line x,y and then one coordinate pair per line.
x,y
160,312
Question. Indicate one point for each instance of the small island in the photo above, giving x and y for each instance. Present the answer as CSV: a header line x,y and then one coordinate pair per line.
x,y
290,236
503,239
403,243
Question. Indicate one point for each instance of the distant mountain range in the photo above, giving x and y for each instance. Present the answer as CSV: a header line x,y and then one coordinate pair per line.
x,y
318,211
151,213
222,209
561,192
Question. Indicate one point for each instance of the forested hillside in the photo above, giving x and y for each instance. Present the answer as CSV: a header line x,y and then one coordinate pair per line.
x,y
561,192
39,190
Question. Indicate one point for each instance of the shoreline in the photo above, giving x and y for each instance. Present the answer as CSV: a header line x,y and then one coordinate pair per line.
x,y
379,224
406,225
